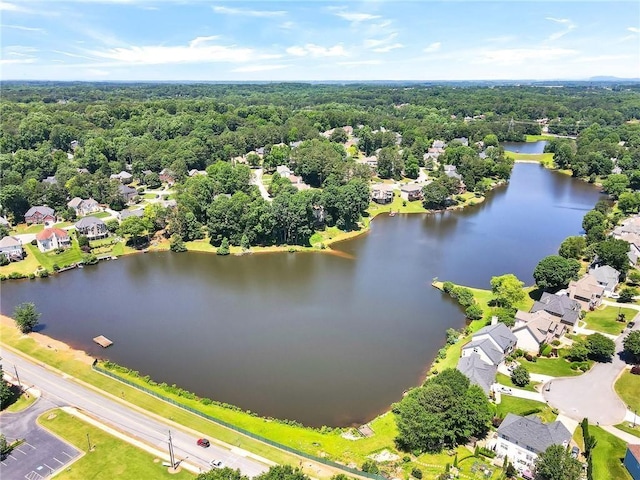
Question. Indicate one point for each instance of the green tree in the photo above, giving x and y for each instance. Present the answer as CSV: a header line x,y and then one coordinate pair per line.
x,y
435,195
244,242
578,352
5,391
554,272
5,447
223,249
474,312
613,252
26,316
629,202
632,345
177,244
507,290
600,348
520,376
573,247
134,228
634,277
556,463
627,294
593,218
225,473
369,466
282,472
615,184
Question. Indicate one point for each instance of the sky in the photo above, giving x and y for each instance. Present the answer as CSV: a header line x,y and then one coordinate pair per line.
x,y
205,40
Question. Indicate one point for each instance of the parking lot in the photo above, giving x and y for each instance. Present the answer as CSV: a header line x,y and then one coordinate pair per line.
x,y
41,454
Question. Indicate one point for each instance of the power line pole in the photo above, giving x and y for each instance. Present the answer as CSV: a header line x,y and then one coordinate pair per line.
x,y
171,456
16,370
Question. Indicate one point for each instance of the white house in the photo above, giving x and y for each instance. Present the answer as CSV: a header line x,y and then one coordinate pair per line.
x,y
522,439
284,171
83,207
11,247
52,238
533,329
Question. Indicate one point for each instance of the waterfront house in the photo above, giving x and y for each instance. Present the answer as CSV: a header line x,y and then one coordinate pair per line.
x,y
606,276
587,291
40,214
452,172
532,330
411,192
128,194
382,193
561,306
632,461
92,227
478,371
83,207
522,439
52,238
11,247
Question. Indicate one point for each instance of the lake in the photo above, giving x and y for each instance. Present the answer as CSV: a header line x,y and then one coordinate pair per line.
x,y
319,338
525,147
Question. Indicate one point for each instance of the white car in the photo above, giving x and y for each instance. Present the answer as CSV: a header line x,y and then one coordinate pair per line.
x,y
505,390
216,464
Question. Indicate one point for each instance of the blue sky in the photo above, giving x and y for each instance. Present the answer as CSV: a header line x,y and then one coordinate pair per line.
x,y
317,40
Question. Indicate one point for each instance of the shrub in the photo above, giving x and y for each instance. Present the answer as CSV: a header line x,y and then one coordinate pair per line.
x,y
416,473
447,287
370,466
56,267
520,376
635,370
485,452
473,312
546,351
627,294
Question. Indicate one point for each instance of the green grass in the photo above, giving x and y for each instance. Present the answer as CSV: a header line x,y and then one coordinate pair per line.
x,y
100,214
524,406
503,379
25,266
607,456
538,138
49,259
605,320
20,400
33,228
628,387
555,367
110,458
545,159
149,196
629,428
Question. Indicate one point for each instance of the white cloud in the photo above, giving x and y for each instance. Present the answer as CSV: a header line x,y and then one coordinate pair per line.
x,y
200,40
21,27
317,50
12,61
258,68
356,63
377,42
11,7
564,21
634,29
287,25
73,55
248,13
198,50
602,58
516,56
354,17
569,26
433,47
388,48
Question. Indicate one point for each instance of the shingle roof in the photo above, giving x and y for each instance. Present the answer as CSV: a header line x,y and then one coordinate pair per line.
x,y
10,241
531,432
477,371
74,202
51,232
635,451
42,209
605,275
559,305
88,221
500,333
488,348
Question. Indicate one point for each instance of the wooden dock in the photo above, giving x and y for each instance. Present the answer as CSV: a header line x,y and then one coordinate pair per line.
x,y
103,341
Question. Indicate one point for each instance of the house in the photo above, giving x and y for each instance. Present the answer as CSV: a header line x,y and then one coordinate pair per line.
x,y
632,461
74,144
452,172
561,306
167,176
122,177
284,171
498,334
534,329
50,180
411,192
11,247
83,207
138,212
52,238
298,182
127,193
372,161
382,193
522,439
587,291
92,227
607,277
193,172
40,214
438,144
478,371
82,171
462,140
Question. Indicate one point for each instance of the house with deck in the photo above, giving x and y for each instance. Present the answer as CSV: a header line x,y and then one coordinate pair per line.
x,y
92,227
411,191
11,248
587,291
52,238
532,330
559,305
632,461
382,193
607,277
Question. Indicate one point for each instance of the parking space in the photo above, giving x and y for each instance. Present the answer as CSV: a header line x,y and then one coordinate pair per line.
x,y
40,454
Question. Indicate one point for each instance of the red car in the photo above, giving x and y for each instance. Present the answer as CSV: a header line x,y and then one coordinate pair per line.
x,y
203,442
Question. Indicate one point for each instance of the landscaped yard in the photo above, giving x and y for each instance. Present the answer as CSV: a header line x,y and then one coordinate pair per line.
x,y
523,407
49,259
20,400
100,214
555,367
34,228
503,379
628,387
111,457
25,266
629,428
608,455
605,320
545,159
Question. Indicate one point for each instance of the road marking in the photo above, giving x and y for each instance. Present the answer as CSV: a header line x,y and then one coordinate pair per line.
x,y
65,453
27,443
17,449
50,469
33,476
61,463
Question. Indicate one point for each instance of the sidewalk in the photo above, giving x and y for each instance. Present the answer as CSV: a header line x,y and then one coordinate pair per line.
x,y
627,437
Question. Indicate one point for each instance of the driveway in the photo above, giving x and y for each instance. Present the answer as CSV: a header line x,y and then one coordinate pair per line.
x,y
591,395
42,453
256,179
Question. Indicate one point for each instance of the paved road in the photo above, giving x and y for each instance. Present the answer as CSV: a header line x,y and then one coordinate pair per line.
x,y
126,418
256,179
592,395
42,453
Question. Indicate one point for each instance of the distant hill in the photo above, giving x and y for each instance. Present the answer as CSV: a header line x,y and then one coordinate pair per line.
x,y
605,78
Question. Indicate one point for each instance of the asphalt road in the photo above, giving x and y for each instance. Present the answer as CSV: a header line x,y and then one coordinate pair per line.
x,y
592,394
41,453
63,391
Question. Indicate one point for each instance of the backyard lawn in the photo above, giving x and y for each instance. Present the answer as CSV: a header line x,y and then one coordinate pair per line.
x,y
26,266
49,259
608,455
605,320
524,407
110,458
555,367
503,379
628,387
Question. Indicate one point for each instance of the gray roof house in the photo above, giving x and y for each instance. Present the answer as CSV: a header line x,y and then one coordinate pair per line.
x,y
129,194
478,371
485,348
499,334
139,212
530,435
92,228
560,306
606,276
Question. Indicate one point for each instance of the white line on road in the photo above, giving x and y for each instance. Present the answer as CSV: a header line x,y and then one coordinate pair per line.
x,y
27,443
18,450
65,453
61,463
50,469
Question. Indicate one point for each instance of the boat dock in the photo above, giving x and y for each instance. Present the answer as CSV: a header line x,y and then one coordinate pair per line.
x,y
103,341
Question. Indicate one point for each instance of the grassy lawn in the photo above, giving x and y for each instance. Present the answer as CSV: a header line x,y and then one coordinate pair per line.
x,y
26,266
537,138
49,259
628,387
34,228
608,455
100,214
503,379
555,367
19,401
523,407
605,320
629,428
545,159
110,458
